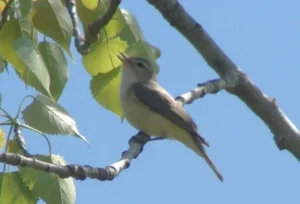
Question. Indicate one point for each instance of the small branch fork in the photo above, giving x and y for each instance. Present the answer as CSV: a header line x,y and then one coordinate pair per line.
x,y
83,42
136,145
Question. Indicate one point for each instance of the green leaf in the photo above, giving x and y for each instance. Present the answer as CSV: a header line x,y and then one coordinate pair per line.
x,y
11,31
51,18
31,57
105,89
47,116
48,186
102,57
25,7
145,50
13,190
114,27
27,29
88,11
134,28
57,67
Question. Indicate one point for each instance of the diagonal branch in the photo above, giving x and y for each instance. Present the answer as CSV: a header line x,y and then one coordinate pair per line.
x,y
83,42
136,144
4,14
286,134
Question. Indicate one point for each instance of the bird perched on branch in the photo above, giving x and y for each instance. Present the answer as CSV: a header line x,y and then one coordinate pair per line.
x,y
150,108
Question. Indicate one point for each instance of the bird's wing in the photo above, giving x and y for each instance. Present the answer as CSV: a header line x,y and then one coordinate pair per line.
x,y
161,102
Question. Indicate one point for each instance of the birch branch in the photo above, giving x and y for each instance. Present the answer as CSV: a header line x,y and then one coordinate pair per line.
x,y
286,135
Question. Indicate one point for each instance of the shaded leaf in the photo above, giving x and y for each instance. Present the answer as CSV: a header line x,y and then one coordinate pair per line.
x,y
57,67
102,57
46,115
27,29
2,138
31,57
105,89
25,7
56,190
13,189
51,18
133,26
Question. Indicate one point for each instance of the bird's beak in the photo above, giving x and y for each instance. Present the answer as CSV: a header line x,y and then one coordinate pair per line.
x,y
124,58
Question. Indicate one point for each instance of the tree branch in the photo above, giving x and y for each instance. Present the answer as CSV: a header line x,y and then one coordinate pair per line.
x,y
286,134
82,43
81,172
212,87
136,145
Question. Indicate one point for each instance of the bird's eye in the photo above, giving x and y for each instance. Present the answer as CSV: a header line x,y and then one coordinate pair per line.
x,y
141,65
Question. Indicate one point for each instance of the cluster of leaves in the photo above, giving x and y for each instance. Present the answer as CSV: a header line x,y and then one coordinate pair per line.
x,y
42,64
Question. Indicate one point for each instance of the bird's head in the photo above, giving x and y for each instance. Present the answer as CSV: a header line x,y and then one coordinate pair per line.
x,y
138,67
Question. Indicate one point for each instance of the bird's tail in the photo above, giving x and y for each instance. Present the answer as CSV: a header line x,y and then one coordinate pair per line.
x,y
196,144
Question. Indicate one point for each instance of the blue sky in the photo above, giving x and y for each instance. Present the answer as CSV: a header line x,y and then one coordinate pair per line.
x,y
262,38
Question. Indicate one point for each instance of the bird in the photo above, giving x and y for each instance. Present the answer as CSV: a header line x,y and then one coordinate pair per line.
x,y
150,108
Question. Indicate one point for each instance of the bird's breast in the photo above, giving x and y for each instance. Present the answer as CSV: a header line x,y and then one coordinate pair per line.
x,y
142,118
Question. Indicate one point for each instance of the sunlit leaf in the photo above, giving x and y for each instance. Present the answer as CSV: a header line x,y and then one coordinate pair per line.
x,y
25,7
11,31
105,89
2,137
114,27
88,11
51,18
102,57
57,67
48,186
31,57
46,115
13,190
3,4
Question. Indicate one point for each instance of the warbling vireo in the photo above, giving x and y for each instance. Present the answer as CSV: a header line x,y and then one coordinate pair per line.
x,y
150,108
